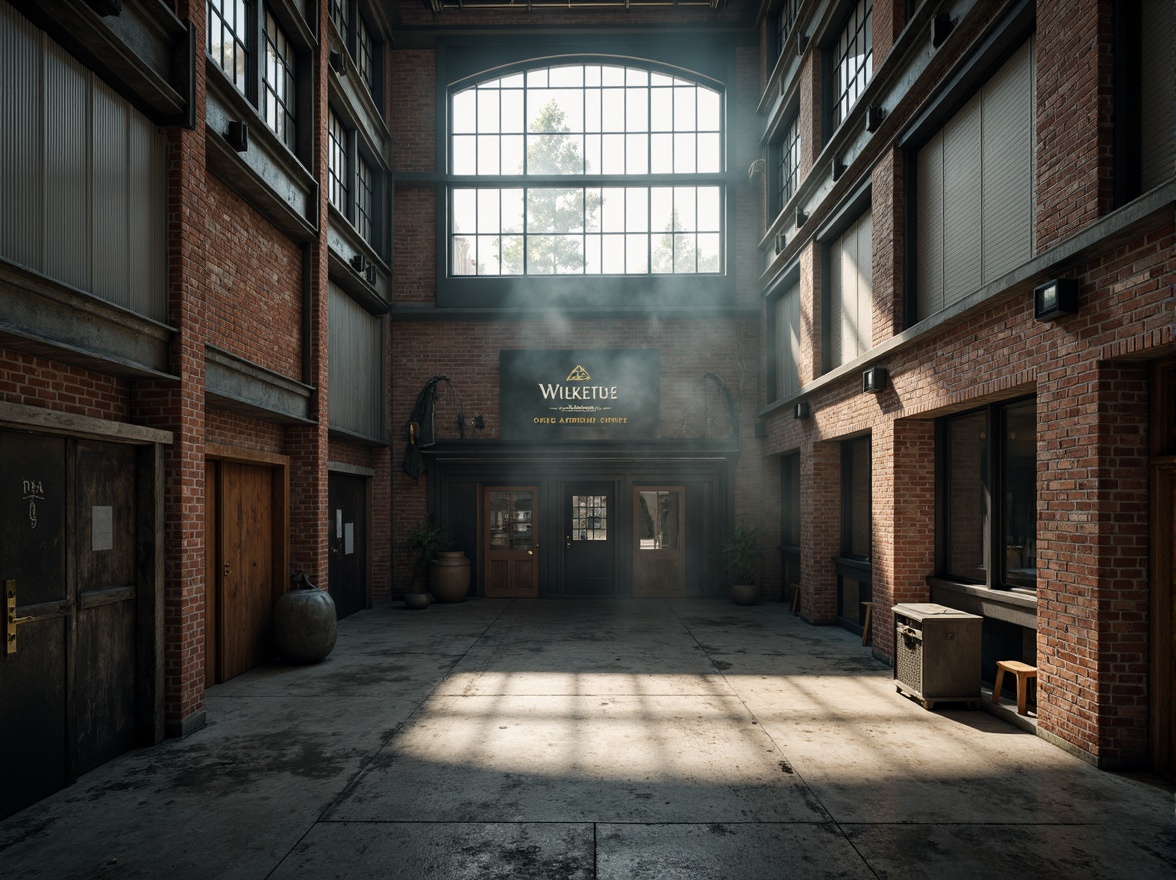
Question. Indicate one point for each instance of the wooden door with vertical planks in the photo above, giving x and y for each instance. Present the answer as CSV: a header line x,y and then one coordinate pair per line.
x,y
246,572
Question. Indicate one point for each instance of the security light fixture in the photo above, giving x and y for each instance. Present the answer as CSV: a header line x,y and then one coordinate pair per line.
x,y
780,242
801,217
238,136
335,59
801,410
874,380
1055,298
838,167
874,117
357,263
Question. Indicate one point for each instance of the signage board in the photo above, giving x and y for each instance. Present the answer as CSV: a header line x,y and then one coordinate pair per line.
x,y
579,394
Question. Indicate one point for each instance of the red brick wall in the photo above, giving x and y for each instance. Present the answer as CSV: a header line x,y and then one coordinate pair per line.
x,y
253,285
36,381
1074,116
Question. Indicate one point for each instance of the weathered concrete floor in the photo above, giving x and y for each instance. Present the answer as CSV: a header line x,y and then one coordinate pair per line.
x,y
584,739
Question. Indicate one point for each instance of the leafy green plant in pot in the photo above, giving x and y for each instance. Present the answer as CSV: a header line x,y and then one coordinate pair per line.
x,y
424,542
742,551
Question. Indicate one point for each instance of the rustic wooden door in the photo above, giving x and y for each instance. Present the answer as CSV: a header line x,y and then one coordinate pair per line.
x,y
659,547
105,566
589,530
246,571
347,565
34,699
510,517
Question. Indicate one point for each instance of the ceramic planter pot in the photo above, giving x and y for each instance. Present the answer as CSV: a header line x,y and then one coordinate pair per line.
x,y
449,576
744,594
304,623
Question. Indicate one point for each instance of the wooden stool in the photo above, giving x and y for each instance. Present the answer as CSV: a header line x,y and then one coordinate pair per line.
x,y
1024,672
869,620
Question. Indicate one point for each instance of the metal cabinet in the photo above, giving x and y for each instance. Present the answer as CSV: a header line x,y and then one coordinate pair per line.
x,y
937,653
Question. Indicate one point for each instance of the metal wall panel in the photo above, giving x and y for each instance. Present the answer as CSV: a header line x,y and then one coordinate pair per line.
x,y
356,381
788,341
84,181
1007,217
21,145
111,209
975,189
851,292
67,169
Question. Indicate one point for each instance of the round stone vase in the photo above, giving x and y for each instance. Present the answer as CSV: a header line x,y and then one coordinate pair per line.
x,y
449,576
304,624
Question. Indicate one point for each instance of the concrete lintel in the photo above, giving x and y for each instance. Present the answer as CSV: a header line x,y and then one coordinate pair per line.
x,y
241,386
19,415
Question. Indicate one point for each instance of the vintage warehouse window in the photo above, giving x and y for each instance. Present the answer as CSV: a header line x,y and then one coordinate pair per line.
x,y
586,170
974,179
253,47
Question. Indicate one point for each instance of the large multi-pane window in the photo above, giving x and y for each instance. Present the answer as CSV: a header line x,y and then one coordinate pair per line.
x,y
785,19
787,170
989,516
247,41
360,40
364,199
853,59
585,140
338,166
229,39
278,83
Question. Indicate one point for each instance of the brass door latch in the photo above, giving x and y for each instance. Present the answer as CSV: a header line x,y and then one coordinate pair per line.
x,y
10,618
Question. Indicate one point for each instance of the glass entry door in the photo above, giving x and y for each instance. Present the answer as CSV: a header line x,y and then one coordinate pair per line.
x,y
659,551
511,517
589,529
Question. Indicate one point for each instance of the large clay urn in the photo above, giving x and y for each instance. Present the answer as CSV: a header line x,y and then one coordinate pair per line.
x,y
449,576
304,622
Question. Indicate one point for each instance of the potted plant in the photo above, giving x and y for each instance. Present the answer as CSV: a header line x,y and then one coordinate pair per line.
x,y
742,551
424,542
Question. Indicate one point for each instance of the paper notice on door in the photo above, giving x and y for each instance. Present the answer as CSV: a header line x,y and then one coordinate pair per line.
x,y
101,528
349,539
338,523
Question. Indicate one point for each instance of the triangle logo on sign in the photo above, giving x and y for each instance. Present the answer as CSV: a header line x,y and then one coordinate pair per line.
x,y
579,374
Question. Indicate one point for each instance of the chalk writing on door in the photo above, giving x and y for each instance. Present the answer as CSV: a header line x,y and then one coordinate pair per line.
x,y
34,491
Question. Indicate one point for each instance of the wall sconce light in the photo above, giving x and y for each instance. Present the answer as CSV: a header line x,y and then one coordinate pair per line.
x,y
874,380
941,26
801,410
801,218
780,242
874,117
238,136
838,167
335,59
1055,298
369,273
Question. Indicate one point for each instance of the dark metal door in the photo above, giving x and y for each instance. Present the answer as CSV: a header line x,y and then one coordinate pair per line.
x,y
104,554
347,568
33,681
589,530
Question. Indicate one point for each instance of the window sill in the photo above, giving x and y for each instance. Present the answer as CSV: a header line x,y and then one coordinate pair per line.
x,y
1013,606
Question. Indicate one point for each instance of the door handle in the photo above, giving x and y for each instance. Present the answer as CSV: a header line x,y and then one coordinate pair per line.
x,y
568,542
226,571
10,618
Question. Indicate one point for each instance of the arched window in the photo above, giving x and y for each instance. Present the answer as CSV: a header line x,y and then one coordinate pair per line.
x,y
586,169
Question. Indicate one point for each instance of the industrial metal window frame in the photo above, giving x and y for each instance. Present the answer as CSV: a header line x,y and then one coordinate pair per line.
x,y
996,481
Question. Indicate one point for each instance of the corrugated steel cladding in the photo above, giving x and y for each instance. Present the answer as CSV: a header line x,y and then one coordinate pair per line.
x,y
100,201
